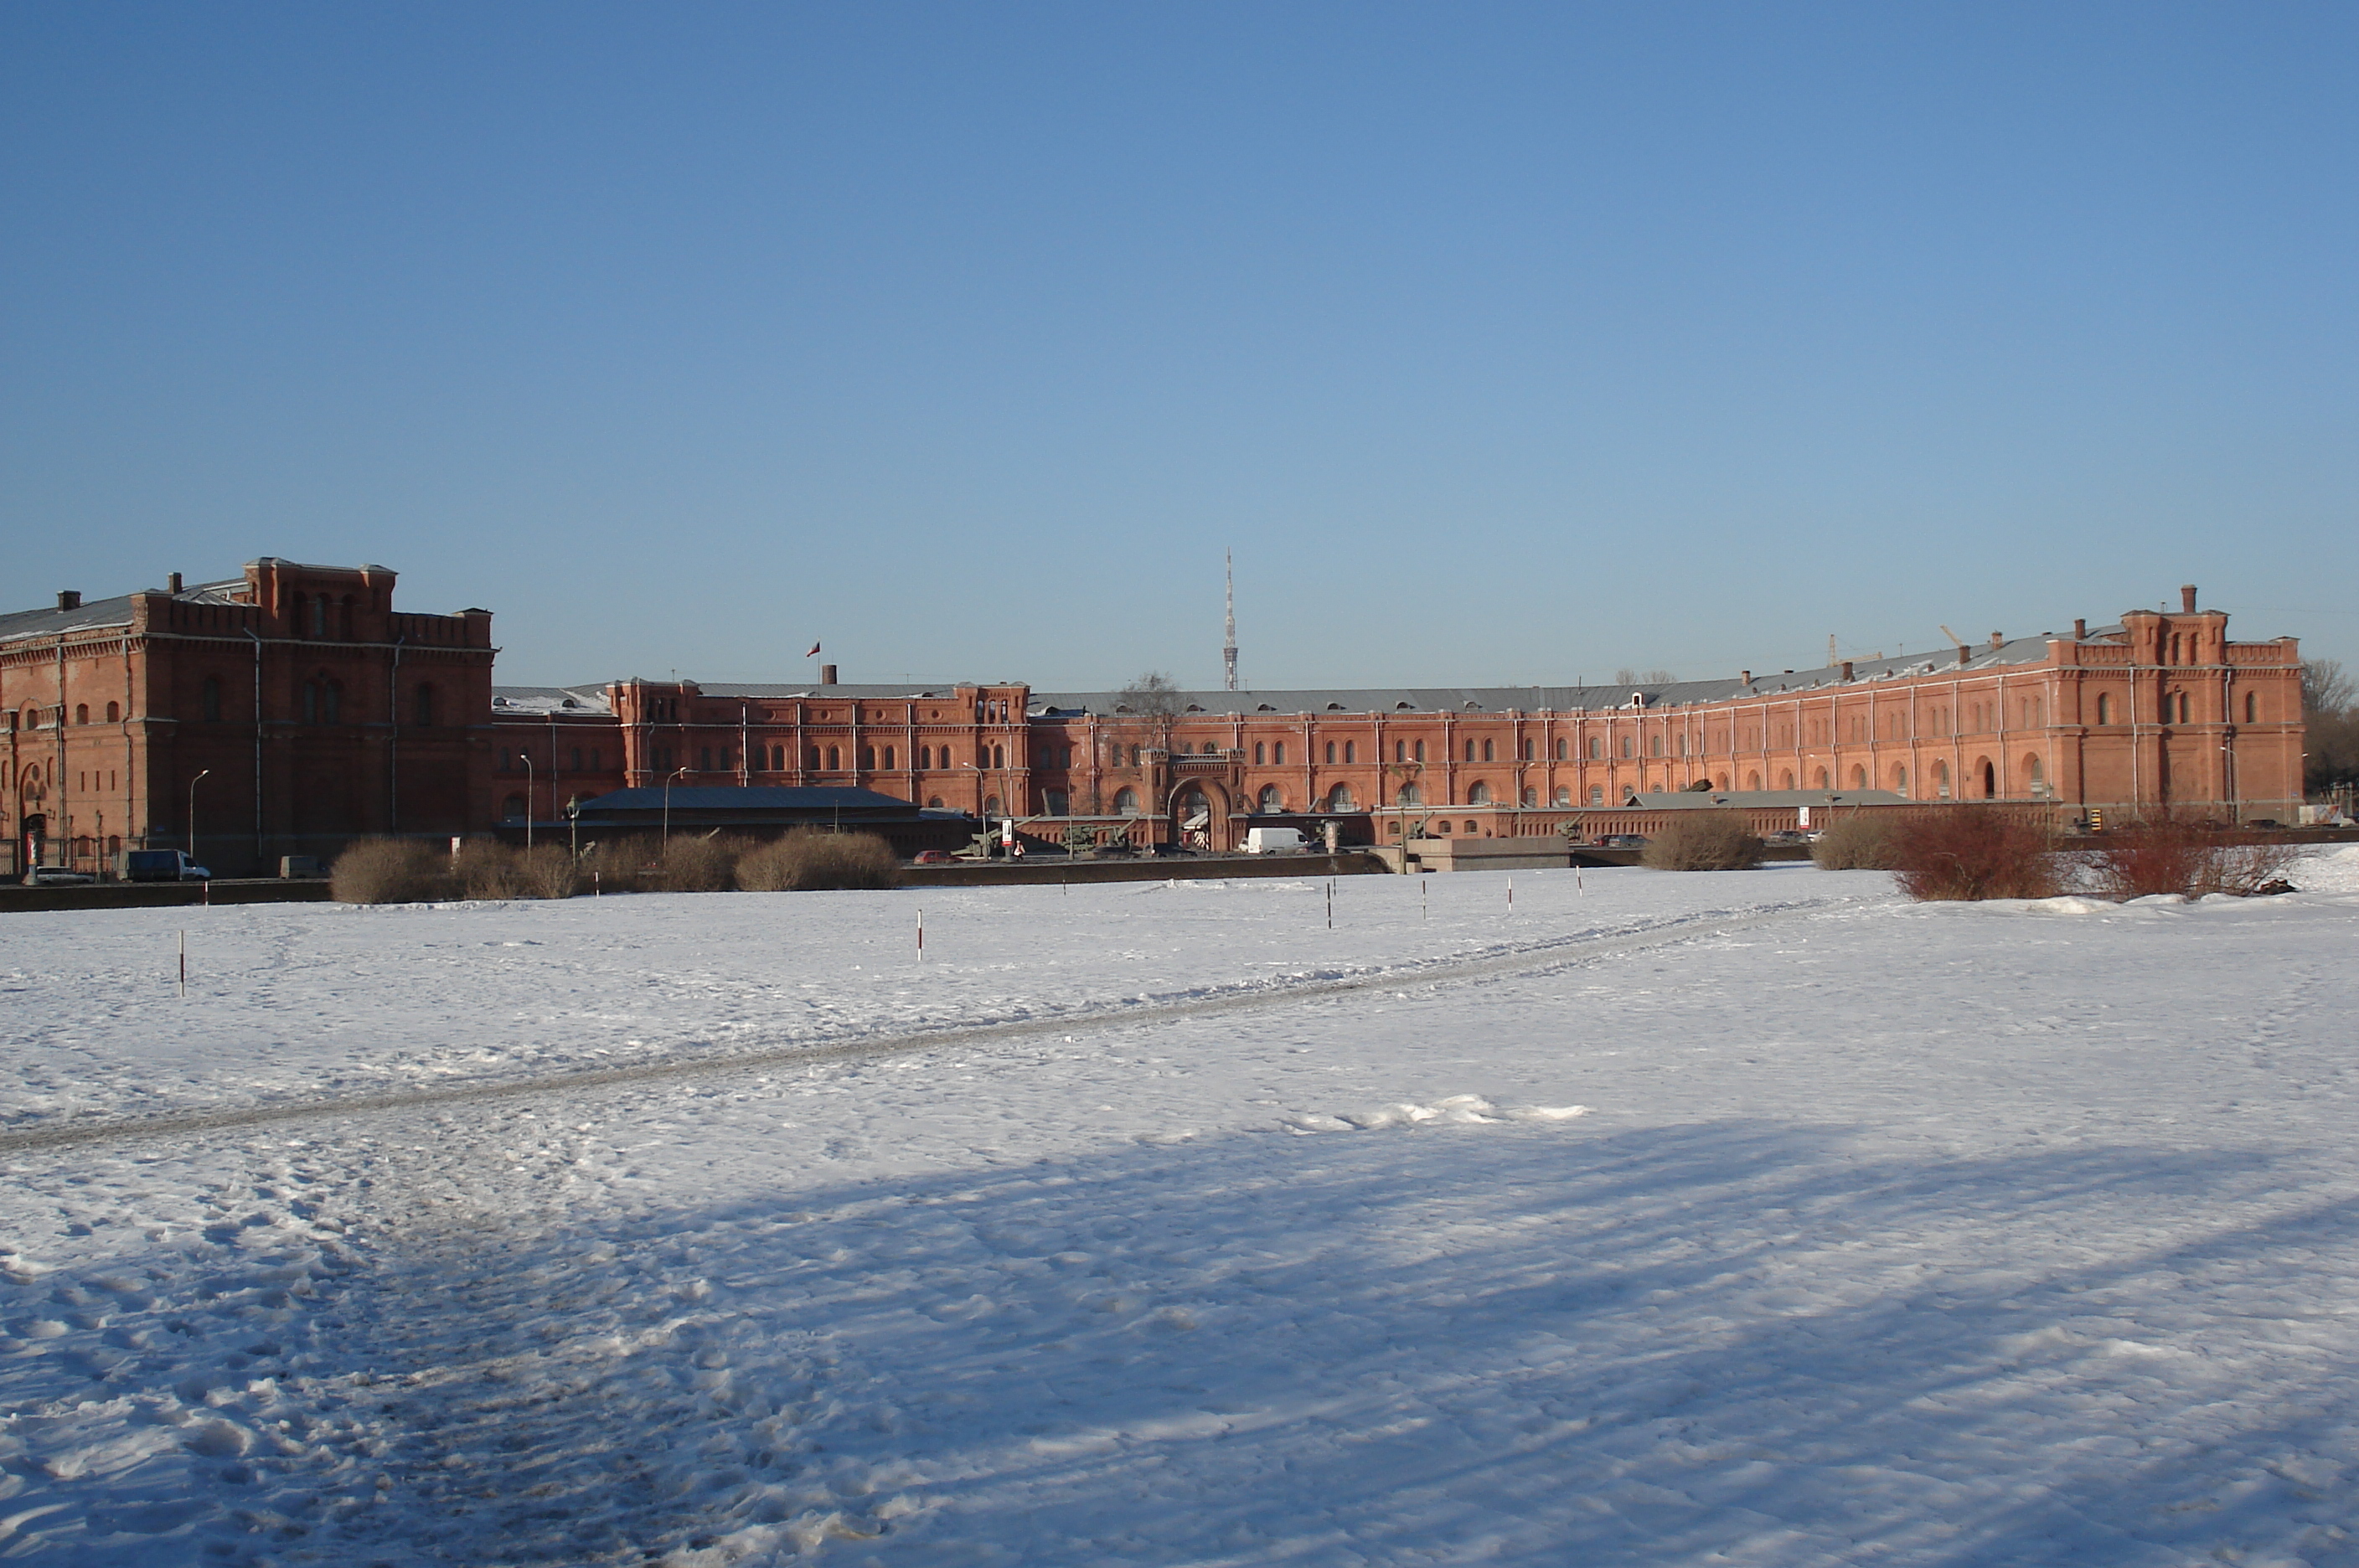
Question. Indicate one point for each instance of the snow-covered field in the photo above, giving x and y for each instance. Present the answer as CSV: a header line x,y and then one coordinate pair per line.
x,y
1754,1218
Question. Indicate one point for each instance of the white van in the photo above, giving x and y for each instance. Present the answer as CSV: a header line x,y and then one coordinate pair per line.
x,y
1275,841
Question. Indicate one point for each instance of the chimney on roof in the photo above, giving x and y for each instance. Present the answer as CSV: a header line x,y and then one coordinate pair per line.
x,y
172,584
1998,640
1965,654
2081,628
827,674
69,599
2187,598
1846,669
1744,678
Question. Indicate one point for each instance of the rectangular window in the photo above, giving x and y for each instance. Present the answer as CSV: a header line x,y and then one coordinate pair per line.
x,y
594,764
704,760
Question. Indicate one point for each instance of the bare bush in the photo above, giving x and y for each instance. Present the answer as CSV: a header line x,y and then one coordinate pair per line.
x,y
390,871
1976,853
547,871
811,858
1705,841
695,864
2166,853
622,866
487,869
1860,841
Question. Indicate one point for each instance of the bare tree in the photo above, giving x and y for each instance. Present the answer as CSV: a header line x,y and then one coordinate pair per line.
x,y
2326,686
2331,718
1145,711
1625,676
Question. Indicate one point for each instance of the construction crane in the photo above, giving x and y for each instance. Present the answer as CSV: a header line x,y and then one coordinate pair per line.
x,y
1955,640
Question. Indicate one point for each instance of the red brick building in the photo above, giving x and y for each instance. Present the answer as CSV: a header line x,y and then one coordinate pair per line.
x,y
281,712
2161,708
306,711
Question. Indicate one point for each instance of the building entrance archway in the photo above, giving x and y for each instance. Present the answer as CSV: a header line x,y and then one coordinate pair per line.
x,y
1200,817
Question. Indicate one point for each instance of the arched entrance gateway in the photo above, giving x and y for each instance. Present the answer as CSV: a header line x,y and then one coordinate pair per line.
x,y
1200,816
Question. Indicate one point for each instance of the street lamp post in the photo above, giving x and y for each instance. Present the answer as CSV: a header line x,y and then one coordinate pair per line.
x,y
667,810
202,775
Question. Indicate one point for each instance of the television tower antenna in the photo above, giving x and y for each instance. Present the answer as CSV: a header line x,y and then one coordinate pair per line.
x,y
1229,648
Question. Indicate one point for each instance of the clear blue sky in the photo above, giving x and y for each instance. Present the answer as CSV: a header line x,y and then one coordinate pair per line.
x,y
1503,344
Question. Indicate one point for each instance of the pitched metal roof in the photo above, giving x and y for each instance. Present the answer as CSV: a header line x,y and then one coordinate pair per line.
x,y
512,702
692,799
100,615
1697,799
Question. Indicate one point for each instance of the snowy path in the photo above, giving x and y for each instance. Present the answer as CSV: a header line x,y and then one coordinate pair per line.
x,y
1543,956
2008,1234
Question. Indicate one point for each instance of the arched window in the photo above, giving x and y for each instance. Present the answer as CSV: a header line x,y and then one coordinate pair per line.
x,y
114,712
1597,794
1258,758
1859,777
1480,795
1942,780
1900,781
1409,796
1339,799
933,802
2035,775
1822,778
1785,780
1277,753
318,614
2252,708
1564,794
82,712
512,808
1351,751
1486,752
704,760
999,756
1126,802
1420,751
1753,781
888,756
2104,709
297,604
990,805
835,759
925,756
422,705
1330,754
1056,802
1655,745
1629,745
1270,800
1559,750
867,757
1990,781
2182,707
1531,797
209,699
811,759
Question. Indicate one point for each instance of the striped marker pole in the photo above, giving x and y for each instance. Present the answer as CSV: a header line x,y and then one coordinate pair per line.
x,y
921,936
184,965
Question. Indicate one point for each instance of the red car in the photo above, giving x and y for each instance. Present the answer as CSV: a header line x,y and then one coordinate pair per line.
x,y
934,857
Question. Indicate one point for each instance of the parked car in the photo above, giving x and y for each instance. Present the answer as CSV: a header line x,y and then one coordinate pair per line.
x,y
57,877
162,865
935,857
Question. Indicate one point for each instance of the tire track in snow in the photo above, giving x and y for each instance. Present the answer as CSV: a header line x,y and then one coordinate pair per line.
x,y
1529,958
